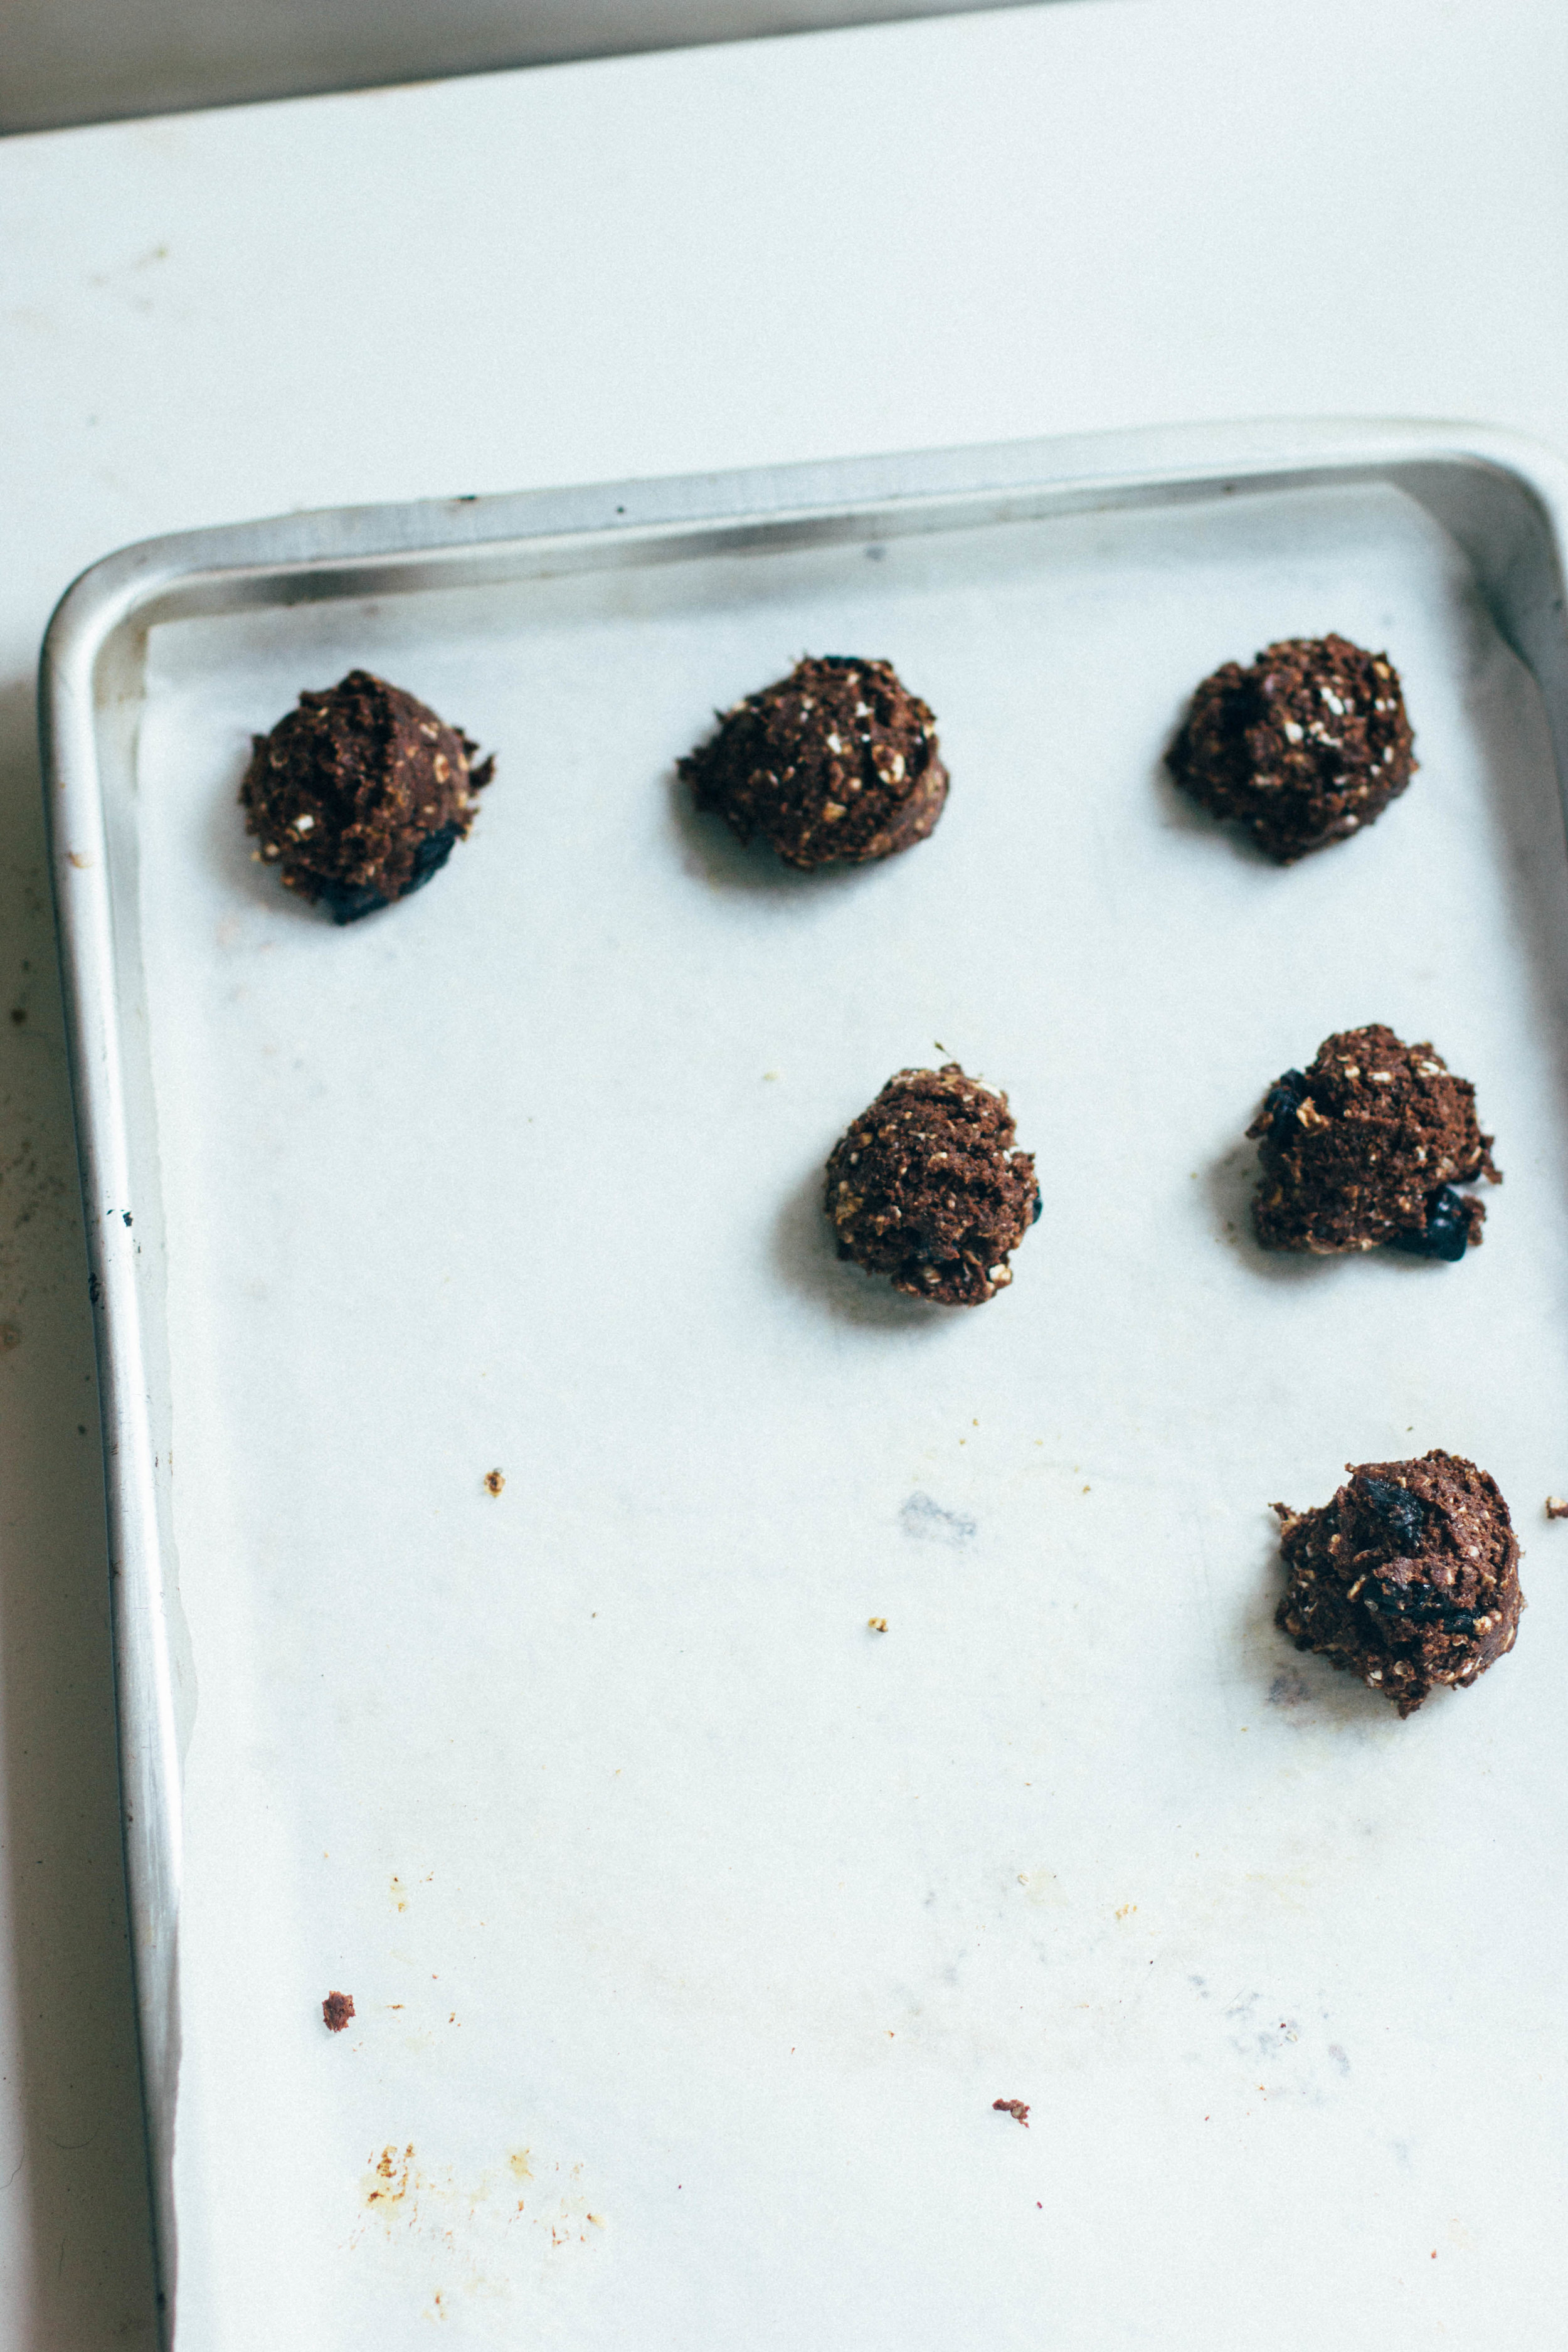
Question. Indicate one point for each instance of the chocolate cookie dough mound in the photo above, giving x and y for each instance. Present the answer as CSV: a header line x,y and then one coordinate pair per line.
x,y
835,765
1409,1578
1308,745
1365,1147
927,1189
359,795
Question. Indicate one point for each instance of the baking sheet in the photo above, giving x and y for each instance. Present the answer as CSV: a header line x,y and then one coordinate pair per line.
x,y
693,1927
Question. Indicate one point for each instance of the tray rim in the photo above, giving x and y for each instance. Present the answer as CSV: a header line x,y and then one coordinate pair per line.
x,y
1503,497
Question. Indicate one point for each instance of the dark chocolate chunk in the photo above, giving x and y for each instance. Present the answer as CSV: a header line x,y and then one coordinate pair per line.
x,y
1409,1578
1306,746
834,764
1403,1514
1281,1103
1367,1146
336,2011
927,1187
1447,1232
359,795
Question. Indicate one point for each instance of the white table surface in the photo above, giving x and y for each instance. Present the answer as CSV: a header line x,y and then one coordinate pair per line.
x,y
1118,212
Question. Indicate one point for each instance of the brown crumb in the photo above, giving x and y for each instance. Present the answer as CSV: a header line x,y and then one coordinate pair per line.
x,y
876,1624
1557,1508
336,2011
494,1481
1017,2109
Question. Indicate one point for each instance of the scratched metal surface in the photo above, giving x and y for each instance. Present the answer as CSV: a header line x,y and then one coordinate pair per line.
x,y
693,1927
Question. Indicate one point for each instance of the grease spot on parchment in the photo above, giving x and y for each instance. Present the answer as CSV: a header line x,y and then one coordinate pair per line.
x,y
1288,1690
927,1522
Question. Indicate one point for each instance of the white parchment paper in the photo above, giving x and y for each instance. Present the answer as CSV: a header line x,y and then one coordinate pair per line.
x,y
693,1927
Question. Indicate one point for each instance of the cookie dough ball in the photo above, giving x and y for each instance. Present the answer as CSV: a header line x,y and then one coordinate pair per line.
x,y
837,764
1367,1146
927,1189
1409,1578
359,795
1307,746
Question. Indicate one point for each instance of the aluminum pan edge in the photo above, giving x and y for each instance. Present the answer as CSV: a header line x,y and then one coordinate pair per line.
x,y
1503,497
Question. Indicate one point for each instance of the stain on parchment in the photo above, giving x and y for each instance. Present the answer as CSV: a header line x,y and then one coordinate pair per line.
x,y
388,2184
927,1522
1290,1689
485,2238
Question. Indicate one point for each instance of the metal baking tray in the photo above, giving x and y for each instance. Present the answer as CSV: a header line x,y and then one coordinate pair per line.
x,y
693,1927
